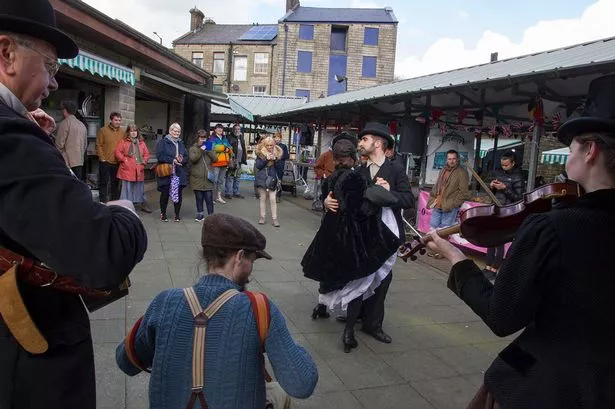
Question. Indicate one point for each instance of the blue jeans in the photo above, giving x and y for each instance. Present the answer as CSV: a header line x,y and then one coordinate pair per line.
x,y
232,182
208,197
441,219
220,179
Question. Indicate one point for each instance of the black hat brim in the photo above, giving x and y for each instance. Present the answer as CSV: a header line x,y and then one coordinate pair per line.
x,y
578,126
64,45
387,136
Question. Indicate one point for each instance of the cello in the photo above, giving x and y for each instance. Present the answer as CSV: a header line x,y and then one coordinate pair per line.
x,y
492,225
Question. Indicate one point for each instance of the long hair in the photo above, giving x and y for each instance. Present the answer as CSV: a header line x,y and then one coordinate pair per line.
x,y
129,128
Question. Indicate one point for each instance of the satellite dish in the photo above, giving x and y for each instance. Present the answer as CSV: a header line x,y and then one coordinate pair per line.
x,y
339,78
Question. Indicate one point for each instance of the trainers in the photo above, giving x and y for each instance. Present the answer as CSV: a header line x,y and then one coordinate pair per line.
x,y
163,217
177,219
261,220
276,223
239,196
228,196
199,218
220,200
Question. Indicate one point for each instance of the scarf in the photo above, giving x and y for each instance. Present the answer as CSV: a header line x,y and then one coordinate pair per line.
x,y
134,148
175,142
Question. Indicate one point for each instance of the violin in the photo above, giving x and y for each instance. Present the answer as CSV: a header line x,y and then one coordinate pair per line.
x,y
492,225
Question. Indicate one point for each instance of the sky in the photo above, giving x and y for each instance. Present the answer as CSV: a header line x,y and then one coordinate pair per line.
x,y
432,36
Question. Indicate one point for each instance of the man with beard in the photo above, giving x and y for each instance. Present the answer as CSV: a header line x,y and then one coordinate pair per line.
x,y
374,140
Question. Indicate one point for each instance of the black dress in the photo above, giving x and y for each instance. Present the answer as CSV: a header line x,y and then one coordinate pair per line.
x,y
351,243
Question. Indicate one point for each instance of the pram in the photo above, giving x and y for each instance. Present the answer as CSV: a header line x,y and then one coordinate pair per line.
x,y
290,178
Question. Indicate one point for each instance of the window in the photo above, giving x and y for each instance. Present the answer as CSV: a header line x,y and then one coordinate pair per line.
x,y
303,93
338,38
261,63
304,61
218,63
369,67
259,90
241,69
370,36
197,59
306,32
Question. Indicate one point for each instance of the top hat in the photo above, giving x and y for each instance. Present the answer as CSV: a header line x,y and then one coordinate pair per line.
x,y
378,129
599,112
37,19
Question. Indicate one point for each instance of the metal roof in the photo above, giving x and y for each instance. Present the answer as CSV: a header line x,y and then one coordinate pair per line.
x,y
339,15
254,106
561,61
222,34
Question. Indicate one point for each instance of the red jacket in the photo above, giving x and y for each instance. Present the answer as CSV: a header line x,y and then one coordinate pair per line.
x,y
128,169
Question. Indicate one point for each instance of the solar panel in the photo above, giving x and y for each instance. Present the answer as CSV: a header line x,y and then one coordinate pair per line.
x,y
260,33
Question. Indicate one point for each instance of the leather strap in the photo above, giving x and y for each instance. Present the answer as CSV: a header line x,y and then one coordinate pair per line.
x,y
260,307
201,317
16,316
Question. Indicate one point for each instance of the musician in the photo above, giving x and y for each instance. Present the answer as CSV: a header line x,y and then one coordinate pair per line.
x,y
508,187
556,283
47,214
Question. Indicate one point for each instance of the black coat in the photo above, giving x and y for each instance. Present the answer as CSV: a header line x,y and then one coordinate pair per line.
x,y
400,187
47,214
556,285
235,141
351,243
515,185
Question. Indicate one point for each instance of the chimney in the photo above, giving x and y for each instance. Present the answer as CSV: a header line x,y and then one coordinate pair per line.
x,y
494,57
196,19
291,5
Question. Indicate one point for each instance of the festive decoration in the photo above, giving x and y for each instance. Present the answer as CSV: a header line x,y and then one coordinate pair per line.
x,y
393,127
536,110
435,115
461,115
555,122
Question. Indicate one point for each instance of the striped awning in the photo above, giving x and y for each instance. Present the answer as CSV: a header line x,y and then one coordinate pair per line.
x,y
99,66
555,156
486,145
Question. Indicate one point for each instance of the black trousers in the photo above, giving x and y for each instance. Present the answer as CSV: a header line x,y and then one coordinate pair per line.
x,y
495,256
164,202
78,171
370,310
108,183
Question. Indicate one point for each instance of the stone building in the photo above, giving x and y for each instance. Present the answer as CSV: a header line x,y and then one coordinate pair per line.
x,y
307,53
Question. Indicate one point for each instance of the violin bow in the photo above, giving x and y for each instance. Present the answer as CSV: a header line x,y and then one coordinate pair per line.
x,y
483,185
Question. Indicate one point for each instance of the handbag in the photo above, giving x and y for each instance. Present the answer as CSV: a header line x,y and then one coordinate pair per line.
x,y
211,175
164,170
232,162
271,182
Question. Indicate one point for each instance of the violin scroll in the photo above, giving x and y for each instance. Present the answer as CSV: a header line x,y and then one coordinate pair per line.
x,y
410,248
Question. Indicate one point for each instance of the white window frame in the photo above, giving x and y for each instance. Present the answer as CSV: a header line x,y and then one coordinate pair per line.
x,y
259,93
260,64
196,60
219,60
244,68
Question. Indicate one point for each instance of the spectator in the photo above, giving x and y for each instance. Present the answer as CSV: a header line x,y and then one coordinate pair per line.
x,y
203,188
132,155
72,138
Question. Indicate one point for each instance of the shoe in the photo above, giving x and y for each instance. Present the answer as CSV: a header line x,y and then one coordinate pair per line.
x,y
320,311
199,218
177,219
261,220
220,200
342,319
349,340
145,208
238,196
163,217
227,196
379,335
276,223
277,200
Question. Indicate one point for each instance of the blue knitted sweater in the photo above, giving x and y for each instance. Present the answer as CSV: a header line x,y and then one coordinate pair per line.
x,y
233,373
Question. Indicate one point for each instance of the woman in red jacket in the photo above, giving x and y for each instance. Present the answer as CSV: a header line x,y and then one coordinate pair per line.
x,y
132,155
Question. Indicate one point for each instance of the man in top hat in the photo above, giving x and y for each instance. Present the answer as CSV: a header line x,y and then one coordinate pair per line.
x,y
53,236
374,139
556,285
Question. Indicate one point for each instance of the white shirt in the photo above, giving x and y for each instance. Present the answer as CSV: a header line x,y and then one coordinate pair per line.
x,y
374,167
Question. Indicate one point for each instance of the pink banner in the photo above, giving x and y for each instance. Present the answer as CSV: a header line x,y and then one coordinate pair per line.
x,y
424,216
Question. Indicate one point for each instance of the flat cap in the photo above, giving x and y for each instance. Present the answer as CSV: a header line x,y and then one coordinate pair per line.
x,y
226,231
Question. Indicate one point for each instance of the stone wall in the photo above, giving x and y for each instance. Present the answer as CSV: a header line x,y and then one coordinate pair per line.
x,y
120,99
547,171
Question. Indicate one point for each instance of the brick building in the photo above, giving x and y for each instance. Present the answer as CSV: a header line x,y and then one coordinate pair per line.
x,y
308,53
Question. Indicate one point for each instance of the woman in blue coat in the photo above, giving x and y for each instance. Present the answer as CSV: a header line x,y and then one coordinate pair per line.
x,y
171,149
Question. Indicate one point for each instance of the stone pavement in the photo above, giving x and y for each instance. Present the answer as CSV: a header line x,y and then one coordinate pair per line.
x,y
440,348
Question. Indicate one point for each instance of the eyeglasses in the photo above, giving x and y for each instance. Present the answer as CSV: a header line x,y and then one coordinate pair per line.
x,y
51,64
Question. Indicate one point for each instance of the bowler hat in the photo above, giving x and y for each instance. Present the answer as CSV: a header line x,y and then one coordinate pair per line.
x,y
225,231
599,112
378,129
37,19
344,135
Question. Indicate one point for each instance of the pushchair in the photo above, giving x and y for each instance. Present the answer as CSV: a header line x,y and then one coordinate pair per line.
x,y
289,181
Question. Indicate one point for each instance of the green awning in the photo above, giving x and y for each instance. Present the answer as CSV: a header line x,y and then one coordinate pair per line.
x,y
555,156
240,110
99,66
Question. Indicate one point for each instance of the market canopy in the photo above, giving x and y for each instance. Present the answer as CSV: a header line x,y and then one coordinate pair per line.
x,y
96,65
555,156
486,145
254,107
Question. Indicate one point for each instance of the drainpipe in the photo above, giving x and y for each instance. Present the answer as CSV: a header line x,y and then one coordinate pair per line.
x,y
285,53
230,67
271,69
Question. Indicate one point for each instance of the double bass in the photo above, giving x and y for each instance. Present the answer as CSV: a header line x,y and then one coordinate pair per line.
x,y
492,225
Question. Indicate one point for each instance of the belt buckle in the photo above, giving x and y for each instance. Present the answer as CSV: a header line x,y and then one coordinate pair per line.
x,y
53,280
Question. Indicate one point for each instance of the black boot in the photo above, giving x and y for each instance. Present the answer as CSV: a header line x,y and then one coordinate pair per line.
x,y
320,311
349,340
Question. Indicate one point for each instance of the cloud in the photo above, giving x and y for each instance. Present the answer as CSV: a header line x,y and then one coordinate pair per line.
x,y
463,15
450,53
